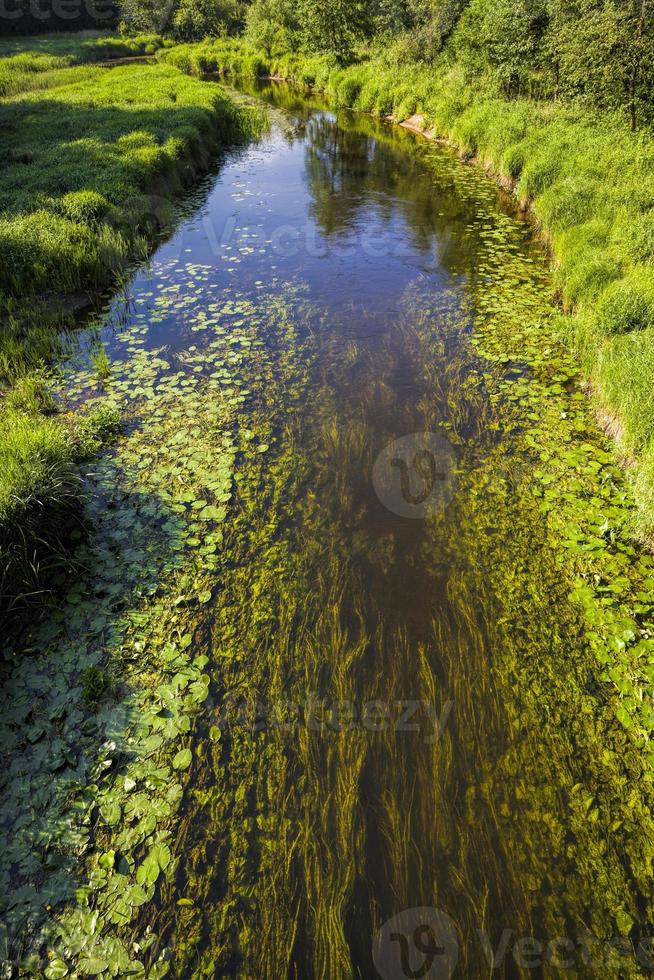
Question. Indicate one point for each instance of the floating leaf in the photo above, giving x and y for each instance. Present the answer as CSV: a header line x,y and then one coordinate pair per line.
x,y
92,966
183,759
56,969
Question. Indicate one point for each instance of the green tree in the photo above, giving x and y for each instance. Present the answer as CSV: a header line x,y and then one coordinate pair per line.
x,y
195,19
335,27
272,26
604,49
150,16
505,37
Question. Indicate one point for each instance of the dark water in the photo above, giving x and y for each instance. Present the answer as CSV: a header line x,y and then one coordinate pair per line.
x,y
395,772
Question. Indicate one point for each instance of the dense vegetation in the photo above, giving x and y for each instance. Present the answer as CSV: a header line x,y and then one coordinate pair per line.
x,y
554,98
85,150
601,50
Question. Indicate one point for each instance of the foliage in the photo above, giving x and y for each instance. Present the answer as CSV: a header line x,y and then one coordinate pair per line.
x,y
272,26
334,28
605,51
186,20
194,19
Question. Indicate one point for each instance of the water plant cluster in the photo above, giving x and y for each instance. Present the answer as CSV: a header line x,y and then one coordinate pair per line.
x,y
98,735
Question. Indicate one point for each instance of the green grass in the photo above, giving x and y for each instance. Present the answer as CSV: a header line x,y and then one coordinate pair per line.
x,y
38,62
587,179
91,156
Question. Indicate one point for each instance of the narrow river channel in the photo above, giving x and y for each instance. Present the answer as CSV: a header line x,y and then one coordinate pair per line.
x,y
347,715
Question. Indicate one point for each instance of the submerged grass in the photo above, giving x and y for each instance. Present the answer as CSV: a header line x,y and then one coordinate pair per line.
x,y
586,178
334,827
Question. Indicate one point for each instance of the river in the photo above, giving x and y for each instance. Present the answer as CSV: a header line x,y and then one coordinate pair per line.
x,y
331,698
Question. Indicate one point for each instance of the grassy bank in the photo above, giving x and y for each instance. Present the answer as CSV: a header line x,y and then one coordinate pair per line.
x,y
91,160
39,62
587,178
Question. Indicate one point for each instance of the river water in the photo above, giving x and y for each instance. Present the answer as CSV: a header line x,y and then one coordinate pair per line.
x,y
363,471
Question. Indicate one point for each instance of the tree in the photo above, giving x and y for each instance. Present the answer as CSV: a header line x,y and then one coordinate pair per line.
x,y
505,36
273,26
335,27
195,19
604,49
189,20
150,16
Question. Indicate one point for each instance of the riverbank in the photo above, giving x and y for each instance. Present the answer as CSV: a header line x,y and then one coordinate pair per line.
x,y
585,177
93,158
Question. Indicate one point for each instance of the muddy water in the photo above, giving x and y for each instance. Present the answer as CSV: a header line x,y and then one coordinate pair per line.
x,y
364,474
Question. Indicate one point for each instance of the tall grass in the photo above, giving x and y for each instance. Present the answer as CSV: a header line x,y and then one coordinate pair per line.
x,y
587,180
36,63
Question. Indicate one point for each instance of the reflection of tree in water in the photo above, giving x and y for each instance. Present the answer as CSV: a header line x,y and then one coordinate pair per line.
x,y
357,162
